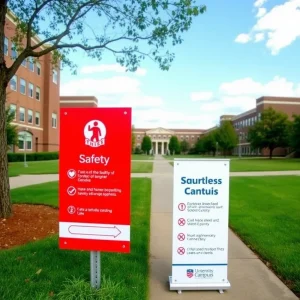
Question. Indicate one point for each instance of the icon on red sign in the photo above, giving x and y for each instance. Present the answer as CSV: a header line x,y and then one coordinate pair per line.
x,y
180,250
181,236
71,173
94,132
71,191
181,206
181,222
71,210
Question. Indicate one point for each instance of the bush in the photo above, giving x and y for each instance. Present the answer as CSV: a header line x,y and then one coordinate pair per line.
x,y
14,157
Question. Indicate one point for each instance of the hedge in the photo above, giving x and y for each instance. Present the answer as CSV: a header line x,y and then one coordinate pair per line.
x,y
13,157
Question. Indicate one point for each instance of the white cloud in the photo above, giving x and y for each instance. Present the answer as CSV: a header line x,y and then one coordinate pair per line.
x,y
259,3
110,68
281,25
259,37
261,12
140,100
245,86
242,38
201,96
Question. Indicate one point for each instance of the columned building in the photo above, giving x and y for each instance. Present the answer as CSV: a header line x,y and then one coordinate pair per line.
x,y
160,137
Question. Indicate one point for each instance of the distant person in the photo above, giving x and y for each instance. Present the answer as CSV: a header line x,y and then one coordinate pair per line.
x,y
96,132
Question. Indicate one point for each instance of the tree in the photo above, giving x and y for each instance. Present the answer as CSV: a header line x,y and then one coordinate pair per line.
x,y
184,146
226,137
270,132
295,134
96,27
209,142
133,139
174,145
11,130
146,144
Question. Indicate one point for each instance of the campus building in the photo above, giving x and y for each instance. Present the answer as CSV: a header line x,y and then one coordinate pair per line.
x,y
33,95
160,137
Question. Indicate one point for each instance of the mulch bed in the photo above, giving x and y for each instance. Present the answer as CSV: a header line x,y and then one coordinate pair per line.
x,y
27,224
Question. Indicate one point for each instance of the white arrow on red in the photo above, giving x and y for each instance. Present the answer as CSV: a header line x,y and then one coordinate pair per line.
x,y
95,230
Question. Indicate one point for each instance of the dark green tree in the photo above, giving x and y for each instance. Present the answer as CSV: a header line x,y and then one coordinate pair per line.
x,y
133,139
199,146
209,142
226,137
146,144
184,146
174,145
295,134
270,132
129,30
11,130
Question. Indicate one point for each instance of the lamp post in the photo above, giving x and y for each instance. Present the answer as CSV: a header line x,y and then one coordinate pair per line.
x,y
240,139
25,145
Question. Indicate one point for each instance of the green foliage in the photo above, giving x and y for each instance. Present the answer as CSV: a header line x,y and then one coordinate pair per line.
x,y
207,143
271,131
133,139
38,156
146,144
130,30
295,134
226,137
11,130
174,145
184,146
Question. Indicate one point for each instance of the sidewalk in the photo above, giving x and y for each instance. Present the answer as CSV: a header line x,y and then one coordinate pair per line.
x,y
250,279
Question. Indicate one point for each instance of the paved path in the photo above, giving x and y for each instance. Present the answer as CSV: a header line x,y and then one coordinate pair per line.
x,y
250,279
24,180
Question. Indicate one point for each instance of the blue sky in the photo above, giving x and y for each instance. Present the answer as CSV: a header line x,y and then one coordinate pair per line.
x,y
237,51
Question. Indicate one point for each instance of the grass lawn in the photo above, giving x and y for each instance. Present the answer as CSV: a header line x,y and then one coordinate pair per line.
x,y
124,276
141,157
257,164
264,212
51,167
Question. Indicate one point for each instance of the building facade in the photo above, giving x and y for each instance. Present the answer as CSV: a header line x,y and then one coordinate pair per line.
x,y
33,95
160,137
78,101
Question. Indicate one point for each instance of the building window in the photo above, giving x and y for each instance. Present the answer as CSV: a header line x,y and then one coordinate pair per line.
x,y
31,64
5,49
37,93
22,114
22,86
13,108
30,90
13,52
13,83
25,140
30,116
24,63
38,68
54,120
37,119
54,76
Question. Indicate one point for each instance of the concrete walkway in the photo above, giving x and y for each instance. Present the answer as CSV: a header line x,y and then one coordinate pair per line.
x,y
250,279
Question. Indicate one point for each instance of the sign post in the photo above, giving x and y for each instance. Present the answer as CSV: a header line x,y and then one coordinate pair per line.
x,y
200,225
94,182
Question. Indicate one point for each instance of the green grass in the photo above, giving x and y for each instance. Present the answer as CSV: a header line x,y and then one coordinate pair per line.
x,y
256,164
141,157
141,167
124,276
264,211
51,167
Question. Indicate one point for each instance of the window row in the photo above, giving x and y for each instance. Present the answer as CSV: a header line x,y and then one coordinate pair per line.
x,y
246,122
24,140
22,87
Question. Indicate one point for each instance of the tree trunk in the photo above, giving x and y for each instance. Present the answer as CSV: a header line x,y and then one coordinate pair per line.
x,y
5,203
271,153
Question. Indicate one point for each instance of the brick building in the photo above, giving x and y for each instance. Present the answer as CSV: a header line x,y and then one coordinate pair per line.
x,y
33,94
78,101
160,137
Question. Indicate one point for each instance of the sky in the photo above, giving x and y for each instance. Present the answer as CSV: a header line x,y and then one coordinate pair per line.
x,y
234,53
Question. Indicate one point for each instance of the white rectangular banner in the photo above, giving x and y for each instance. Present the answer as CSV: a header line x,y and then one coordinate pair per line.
x,y
200,224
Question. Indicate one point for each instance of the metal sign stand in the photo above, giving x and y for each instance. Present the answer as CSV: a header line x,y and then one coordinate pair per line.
x,y
95,269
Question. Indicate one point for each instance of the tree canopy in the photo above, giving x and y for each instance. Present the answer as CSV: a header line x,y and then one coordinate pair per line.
x,y
174,145
226,137
11,130
270,132
184,146
146,144
295,134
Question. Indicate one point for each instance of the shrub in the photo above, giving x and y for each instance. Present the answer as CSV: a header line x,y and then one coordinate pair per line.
x,y
37,156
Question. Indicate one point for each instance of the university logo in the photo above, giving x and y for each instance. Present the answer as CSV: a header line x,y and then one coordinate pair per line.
x,y
189,273
95,132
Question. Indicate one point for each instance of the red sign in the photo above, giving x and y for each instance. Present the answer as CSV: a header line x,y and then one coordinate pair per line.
x,y
94,179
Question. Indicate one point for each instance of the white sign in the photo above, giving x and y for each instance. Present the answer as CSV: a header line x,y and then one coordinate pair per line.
x,y
200,224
